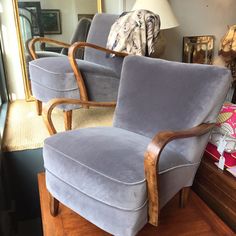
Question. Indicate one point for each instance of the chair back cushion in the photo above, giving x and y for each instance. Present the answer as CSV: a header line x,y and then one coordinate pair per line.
x,y
80,34
98,34
157,95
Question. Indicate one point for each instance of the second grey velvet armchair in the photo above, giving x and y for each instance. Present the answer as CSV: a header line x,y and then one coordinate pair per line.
x,y
120,177
96,78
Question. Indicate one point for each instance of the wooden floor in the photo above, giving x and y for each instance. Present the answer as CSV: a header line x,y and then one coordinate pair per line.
x,y
195,219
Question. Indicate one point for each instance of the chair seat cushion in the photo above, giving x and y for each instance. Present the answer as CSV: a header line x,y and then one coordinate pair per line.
x,y
105,163
56,72
42,54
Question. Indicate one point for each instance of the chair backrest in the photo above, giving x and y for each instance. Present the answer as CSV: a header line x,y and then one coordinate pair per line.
x,y
80,34
157,95
98,34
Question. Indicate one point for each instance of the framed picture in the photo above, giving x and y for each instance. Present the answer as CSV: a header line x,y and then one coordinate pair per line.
x,y
31,12
51,21
198,49
90,16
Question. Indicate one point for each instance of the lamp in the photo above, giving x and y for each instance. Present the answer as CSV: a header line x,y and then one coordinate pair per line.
x,y
228,49
167,18
160,7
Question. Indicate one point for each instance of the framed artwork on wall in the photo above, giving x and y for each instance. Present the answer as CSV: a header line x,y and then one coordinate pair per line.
x,y
198,49
51,21
90,16
31,12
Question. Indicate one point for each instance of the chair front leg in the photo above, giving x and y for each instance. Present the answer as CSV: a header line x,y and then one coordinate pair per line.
x,y
39,107
68,119
54,206
183,196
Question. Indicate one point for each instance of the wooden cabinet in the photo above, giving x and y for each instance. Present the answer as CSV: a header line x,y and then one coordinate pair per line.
x,y
218,189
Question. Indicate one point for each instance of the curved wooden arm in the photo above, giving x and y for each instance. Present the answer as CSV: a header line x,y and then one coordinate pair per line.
x,y
151,159
47,112
71,54
77,45
45,40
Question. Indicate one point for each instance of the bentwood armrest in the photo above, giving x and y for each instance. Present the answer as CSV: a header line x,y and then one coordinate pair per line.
x,y
47,113
71,54
151,160
45,40
75,46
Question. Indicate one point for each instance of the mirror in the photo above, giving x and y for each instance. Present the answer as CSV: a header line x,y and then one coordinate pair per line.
x,y
55,19
198,49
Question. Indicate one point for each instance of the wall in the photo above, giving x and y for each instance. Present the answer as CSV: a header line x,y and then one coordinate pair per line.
x,y
11,51
196,17
86,6
199,17
68,12
113,6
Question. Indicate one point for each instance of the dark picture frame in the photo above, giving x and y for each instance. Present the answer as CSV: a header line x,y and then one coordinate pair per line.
x,y
34,8
198,49
80,16
51,20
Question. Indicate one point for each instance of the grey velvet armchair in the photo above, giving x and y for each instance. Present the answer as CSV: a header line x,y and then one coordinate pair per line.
x,y
120,177
96,78
80,35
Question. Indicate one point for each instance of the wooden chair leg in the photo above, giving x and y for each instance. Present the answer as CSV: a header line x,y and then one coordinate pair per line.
x,y
68,119
184,195
39,107
54,206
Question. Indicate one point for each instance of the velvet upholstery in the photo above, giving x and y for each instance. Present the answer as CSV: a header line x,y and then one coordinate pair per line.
x,y
50,81
103,22
99,172
80,35
185,99
53,77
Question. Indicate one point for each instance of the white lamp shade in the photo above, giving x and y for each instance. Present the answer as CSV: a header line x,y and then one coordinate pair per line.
x,y
160,7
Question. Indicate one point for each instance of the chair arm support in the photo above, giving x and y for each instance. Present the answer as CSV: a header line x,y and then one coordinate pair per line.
x,y
74,47
79,78
47,111
151,159
45,40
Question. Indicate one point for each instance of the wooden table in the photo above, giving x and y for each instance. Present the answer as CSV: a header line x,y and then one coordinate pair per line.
x,y
195,219
218,189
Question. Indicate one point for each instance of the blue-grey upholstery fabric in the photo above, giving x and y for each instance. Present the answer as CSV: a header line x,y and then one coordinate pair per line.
x,y
53,77
114,176
175,96
80,35
41,54
98,34
99,172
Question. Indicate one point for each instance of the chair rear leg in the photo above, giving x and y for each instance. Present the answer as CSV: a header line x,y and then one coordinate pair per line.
x,y
183,197
68,119
54,206
39,107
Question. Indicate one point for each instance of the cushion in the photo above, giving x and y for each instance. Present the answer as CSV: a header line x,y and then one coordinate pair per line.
x,y
226,122
211,151
193,106
103,22
56,74
112,174
41,54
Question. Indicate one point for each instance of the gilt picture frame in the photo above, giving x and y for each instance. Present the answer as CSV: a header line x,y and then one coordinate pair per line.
x,y
51,21
198,49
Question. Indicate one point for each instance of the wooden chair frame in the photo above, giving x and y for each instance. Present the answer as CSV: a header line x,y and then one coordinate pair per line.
x,y
79,78
151,156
